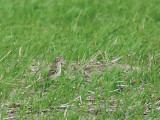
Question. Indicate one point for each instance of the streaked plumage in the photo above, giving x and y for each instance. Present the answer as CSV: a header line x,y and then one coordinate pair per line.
x,y
55,70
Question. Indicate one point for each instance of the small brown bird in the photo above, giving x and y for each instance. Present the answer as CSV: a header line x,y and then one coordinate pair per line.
x,y
55,70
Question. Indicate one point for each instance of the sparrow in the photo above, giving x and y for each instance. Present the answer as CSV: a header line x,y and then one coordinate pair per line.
x,y
55,69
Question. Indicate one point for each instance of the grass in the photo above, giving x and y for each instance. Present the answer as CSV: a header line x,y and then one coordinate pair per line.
x,y
77,30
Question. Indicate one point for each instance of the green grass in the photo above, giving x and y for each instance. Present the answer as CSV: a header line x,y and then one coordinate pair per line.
x,y
77,30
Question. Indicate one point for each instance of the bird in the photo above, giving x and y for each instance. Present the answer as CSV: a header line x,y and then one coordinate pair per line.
x,y
55,69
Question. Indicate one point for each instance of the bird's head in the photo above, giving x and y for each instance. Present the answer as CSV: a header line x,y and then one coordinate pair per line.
x,y
59,60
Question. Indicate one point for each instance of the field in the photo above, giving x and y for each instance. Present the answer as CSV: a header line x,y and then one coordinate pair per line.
x,y
119,39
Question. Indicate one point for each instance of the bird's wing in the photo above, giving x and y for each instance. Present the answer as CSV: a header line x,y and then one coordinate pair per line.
x,y
52,72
